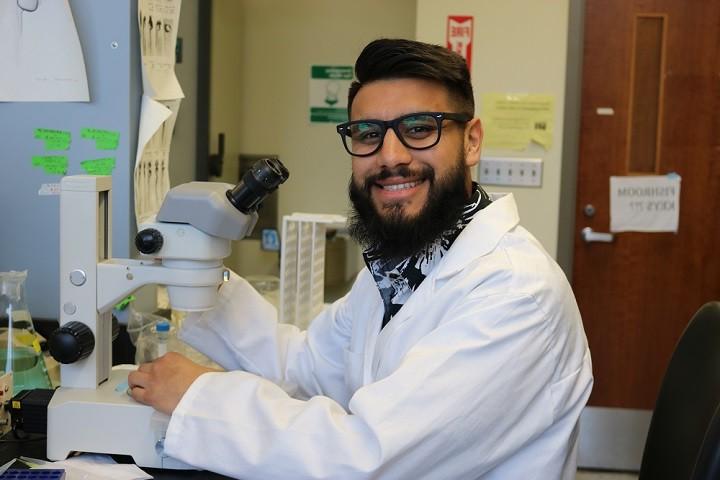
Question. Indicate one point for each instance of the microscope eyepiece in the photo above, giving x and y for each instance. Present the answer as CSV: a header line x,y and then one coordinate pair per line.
x,y
261,180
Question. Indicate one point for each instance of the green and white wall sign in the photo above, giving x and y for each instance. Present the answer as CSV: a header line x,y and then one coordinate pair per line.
x,y
328,93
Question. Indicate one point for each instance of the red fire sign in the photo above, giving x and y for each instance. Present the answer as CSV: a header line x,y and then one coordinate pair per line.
x,y
460,35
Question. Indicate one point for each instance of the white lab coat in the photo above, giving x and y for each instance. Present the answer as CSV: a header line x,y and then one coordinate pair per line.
x,y
483,373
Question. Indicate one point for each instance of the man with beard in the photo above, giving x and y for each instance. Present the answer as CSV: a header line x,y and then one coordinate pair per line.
x,y
459,352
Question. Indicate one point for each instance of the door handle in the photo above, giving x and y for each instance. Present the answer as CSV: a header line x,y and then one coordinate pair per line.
x,y
588,235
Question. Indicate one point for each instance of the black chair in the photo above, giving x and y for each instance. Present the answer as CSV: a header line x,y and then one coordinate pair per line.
x,y
683,441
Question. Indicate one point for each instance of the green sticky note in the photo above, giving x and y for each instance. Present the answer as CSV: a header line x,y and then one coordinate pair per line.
x,y
54,139
104,139
52,164
98,166
106,144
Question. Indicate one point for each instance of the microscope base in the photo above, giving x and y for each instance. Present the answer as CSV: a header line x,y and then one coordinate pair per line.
x,y
107,420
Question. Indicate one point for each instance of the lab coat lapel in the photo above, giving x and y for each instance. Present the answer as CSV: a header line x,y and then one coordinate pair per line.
x,y
372,326
481,235
415,303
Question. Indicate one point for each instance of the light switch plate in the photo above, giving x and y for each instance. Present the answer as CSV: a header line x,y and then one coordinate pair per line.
x,y
510,171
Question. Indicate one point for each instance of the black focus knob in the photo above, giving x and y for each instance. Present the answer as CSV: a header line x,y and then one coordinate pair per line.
x,y
71,342
149,241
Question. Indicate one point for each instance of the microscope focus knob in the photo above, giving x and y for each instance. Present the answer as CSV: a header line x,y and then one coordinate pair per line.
x,y
149,241
71,342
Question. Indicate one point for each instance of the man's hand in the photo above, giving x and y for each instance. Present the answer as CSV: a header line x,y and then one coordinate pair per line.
x,y
162,383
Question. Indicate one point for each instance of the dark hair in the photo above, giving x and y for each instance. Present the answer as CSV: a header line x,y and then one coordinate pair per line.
x,y
386,59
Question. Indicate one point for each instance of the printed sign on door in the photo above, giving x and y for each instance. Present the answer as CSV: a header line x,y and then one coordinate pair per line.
x,y
645,203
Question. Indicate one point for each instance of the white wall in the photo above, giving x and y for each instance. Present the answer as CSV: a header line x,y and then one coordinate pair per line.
x,y
519,46
262,53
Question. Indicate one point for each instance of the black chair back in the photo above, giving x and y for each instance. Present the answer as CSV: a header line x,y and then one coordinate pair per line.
x,y
708,461
684,434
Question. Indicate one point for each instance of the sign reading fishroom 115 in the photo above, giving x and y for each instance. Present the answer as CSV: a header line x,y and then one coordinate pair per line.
x,y
645,203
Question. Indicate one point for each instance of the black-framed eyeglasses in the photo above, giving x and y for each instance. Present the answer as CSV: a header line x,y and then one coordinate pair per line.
x,y
417,131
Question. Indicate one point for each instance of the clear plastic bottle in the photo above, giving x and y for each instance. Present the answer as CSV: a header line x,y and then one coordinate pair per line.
x,y
162,332
158,335
20,351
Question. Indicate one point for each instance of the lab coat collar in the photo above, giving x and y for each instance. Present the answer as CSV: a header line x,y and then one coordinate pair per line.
x,y
482,234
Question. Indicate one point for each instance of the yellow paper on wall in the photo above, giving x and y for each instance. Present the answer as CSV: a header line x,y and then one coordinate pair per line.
x,y
513,121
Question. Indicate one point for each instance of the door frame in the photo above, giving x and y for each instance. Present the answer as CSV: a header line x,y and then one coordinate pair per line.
x,y
571,137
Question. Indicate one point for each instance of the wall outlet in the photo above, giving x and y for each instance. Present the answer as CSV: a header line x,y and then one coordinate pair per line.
x,y
510,171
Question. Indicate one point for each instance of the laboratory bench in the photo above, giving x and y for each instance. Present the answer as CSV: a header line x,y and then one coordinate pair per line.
x,y
34,447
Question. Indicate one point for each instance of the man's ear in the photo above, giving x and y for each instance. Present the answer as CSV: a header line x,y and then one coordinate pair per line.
x,y
473,142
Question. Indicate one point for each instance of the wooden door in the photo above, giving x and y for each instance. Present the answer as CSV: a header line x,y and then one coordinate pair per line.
x,y
650,105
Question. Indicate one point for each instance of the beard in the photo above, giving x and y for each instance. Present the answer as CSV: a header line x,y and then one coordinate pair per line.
x,y
392,233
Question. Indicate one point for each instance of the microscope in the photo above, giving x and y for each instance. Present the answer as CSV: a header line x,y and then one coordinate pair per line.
x,y
182,248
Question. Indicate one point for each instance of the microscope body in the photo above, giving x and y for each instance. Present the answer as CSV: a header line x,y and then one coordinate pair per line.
x,y
91,411
183,250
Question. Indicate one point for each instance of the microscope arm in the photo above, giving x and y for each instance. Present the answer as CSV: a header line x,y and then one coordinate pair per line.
x,y
119,277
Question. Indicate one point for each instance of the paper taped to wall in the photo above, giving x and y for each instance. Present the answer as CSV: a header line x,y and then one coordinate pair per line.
x,y
152,173
40,54
158,22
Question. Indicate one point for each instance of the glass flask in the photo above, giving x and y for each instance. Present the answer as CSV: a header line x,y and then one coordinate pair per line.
x,y
20,351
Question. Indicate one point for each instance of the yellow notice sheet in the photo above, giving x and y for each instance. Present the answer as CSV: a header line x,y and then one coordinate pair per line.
x,y
513,121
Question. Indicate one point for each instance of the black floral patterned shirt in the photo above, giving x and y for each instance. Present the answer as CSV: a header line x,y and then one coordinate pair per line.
x,y
398,278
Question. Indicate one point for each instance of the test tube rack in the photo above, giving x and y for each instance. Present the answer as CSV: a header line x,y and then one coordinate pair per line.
x,y
302,265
